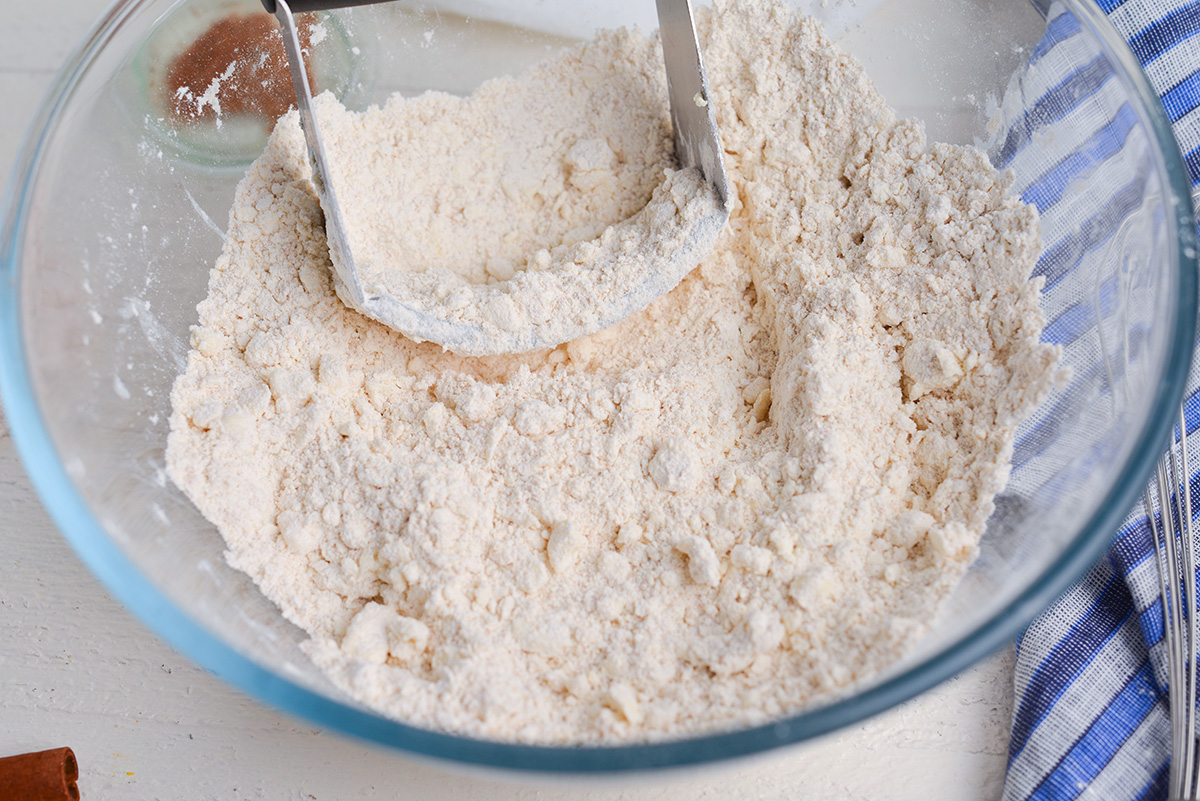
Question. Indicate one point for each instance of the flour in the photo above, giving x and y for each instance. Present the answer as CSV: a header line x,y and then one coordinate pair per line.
x,y
538,209
751,495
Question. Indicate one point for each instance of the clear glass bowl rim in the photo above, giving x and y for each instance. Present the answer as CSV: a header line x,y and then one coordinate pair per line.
x,y
75,521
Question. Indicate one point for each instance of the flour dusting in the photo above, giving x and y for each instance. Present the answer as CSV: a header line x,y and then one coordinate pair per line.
x,y
751,495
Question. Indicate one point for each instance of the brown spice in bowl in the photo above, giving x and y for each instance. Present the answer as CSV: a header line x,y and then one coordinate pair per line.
x,y
237,66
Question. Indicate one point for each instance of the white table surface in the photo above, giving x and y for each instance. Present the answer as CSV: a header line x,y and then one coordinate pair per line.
x,y
77,669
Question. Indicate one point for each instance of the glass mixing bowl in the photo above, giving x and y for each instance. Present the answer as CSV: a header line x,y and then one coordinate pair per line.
x,y
112,221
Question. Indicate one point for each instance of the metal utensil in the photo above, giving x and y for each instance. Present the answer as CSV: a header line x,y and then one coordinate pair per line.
x,y
697,144
1176,553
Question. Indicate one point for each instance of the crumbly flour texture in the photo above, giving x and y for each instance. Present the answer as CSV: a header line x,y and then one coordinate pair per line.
x,y
535,211
750,495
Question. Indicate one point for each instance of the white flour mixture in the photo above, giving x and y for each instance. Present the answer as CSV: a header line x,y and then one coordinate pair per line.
x,y
532,212
752,494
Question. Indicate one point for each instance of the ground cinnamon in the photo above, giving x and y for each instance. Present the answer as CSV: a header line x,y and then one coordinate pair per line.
x,y
40,776
237,66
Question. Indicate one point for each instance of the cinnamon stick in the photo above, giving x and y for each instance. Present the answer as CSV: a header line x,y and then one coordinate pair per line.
x,y
40,776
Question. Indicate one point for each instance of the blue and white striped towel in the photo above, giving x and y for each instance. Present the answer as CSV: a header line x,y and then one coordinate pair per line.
x,y
1089,718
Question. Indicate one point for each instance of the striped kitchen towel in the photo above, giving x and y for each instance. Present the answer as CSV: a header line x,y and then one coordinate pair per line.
x,y
1090,718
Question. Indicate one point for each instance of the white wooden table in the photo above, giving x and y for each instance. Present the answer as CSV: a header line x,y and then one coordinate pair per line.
x,y
77,669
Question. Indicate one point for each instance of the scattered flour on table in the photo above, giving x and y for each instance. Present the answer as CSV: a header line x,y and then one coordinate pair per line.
x,y
753,494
